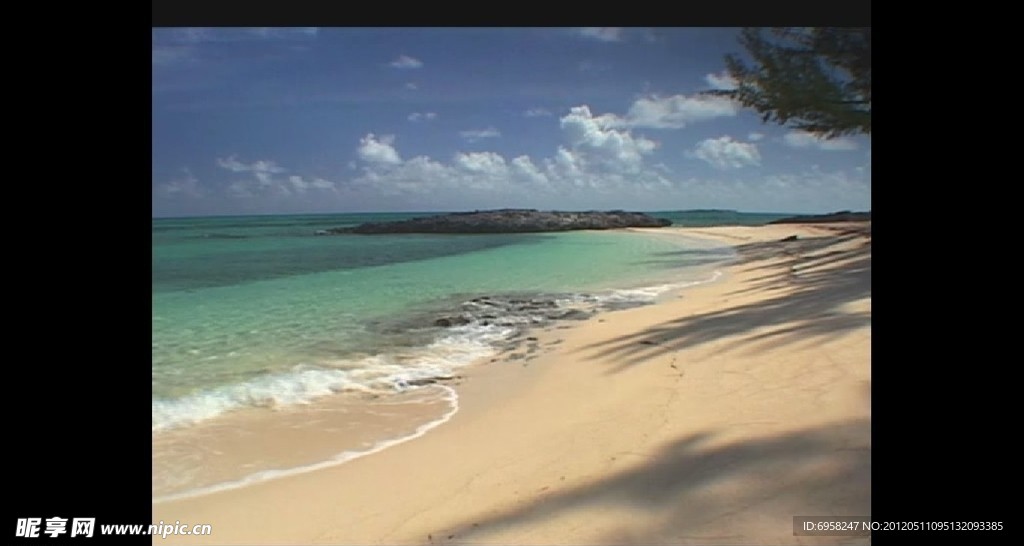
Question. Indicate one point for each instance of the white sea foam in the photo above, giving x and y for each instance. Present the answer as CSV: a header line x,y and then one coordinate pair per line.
x,y
383,373
451,397
460,346
649,294
395,372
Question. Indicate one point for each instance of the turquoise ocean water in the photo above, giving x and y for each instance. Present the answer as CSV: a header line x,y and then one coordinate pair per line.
x,y
258,311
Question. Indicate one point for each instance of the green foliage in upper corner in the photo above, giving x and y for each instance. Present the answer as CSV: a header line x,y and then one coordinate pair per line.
x,y
814,79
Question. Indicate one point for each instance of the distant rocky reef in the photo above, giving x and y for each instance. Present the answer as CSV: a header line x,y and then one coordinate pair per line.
x,y
507,221
841,216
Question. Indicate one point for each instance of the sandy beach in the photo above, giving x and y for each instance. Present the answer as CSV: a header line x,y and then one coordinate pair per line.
x,y
714,416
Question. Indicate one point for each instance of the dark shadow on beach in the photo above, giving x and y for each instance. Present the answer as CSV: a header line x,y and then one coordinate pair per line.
x,y
692,488
821,275
695,489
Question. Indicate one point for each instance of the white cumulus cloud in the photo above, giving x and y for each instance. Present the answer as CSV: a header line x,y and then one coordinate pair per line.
x,y
523,169
803,139
754,137
598,166
595,137
722,81
677,111
565,165
726,153
482,162
374,149
602,161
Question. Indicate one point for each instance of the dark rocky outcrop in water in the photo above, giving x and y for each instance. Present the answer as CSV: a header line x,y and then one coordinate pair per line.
x,y
841,216
509,221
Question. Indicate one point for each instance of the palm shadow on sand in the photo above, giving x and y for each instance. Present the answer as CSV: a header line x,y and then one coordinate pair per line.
x,y
691,488
823,273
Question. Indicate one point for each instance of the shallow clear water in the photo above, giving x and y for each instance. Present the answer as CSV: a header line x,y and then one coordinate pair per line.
x,y
260,312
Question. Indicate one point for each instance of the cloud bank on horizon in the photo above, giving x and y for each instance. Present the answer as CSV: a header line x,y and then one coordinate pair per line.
x,y
253,121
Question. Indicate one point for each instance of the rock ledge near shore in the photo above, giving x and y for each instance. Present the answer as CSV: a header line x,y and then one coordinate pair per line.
x,y
507,221
841,216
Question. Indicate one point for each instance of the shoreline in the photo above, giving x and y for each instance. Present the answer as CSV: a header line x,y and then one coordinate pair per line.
x,y
616,427
239,446
444,330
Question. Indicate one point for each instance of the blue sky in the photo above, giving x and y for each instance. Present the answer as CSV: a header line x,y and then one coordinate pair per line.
x,y
297,120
